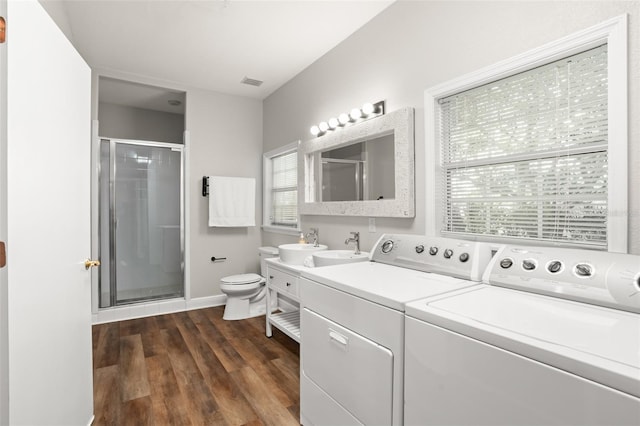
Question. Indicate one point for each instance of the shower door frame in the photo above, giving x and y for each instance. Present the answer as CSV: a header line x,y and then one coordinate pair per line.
x,y
113,302
360,178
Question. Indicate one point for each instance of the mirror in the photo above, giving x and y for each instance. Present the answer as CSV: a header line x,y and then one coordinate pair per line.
x,y
366,169
359,171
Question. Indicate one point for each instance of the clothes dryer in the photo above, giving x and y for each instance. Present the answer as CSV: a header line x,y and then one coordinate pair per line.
x,y
352,325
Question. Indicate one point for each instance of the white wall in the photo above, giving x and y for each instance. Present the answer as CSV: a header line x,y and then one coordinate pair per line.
x,y
123,122
414,45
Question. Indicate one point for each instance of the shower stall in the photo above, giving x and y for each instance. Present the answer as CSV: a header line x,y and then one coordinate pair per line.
x,y
141,221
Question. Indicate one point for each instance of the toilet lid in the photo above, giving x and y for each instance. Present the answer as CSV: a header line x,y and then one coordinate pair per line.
x,y
241,279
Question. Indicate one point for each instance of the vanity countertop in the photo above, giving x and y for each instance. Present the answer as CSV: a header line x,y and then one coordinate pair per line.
x,y
296,269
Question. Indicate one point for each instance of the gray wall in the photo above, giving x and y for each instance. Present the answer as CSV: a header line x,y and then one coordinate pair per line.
x,y
380,159
123,122
414,45
226,140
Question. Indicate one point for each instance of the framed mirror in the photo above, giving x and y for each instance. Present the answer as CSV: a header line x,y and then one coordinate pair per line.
x,y
366,169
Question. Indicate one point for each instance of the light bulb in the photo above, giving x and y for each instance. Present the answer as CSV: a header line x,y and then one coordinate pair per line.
x,y
368,109
343,118
355,114
333,123
315,130
324,126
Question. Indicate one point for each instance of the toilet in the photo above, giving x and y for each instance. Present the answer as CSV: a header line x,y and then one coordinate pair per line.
x,y
246,292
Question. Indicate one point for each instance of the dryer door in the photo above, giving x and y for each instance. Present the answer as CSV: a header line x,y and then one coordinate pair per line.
x,y
353,370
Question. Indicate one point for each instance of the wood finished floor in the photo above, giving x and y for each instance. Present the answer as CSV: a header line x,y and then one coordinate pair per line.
x,y
194,368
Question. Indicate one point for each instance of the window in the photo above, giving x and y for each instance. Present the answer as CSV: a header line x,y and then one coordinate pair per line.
x,y
529,155
281,190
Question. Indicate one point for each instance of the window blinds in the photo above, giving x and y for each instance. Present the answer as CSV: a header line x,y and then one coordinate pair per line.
x,y
526,156
284,190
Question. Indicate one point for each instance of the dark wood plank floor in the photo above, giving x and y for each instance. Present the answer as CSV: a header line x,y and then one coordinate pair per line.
x,y
194,368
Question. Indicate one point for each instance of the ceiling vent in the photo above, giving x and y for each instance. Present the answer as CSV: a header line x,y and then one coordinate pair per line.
x,y
251,81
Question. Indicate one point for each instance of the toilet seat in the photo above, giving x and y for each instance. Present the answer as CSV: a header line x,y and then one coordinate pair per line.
x,y
242,279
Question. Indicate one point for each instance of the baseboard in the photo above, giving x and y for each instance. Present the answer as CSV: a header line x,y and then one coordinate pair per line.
x,y
206,302
161,307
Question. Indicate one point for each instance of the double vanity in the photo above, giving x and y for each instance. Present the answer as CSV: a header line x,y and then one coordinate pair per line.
x,y
283,275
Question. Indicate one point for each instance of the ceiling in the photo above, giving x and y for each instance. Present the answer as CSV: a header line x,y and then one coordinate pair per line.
x,y
143,96
210,44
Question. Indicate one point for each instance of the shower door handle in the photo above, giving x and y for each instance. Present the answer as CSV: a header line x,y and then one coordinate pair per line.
x,y
91,263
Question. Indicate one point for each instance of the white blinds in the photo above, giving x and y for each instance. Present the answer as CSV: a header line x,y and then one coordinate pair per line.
x,y
284,190
526,156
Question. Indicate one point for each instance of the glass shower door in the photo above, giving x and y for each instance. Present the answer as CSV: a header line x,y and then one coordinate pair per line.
x,y
145,223
342,180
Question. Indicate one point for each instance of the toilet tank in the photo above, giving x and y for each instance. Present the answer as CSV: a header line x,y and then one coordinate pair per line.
x,y
266,253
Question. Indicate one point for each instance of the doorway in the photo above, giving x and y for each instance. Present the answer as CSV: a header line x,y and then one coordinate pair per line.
x,y
141,221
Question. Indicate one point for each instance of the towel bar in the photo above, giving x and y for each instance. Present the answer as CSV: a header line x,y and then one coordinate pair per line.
x,y
205,186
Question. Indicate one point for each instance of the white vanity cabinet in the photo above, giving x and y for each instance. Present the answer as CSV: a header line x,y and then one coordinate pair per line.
x,y
282,295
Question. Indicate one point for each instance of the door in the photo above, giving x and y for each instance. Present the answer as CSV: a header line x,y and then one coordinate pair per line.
x,y
341,180
141,222
48,216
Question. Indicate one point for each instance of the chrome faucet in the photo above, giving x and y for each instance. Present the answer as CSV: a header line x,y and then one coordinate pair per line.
x,y
355,238
313,232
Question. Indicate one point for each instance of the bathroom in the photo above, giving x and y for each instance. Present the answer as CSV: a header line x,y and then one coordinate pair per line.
x,y
407,48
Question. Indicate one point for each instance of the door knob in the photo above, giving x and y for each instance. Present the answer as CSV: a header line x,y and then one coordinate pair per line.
x,y
89,263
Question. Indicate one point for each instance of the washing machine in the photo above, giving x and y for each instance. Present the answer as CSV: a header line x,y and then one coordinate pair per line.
x,y
352,325
551,337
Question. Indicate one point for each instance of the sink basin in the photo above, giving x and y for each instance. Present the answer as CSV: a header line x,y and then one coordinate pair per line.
x,y
337,257
295,254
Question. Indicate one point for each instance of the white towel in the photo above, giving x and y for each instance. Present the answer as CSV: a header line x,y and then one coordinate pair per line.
x,y
232,201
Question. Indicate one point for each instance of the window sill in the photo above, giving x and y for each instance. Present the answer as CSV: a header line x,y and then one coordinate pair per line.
x,y
281,230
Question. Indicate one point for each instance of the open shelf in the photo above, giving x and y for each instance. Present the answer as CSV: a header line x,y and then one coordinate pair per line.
x,y
288,323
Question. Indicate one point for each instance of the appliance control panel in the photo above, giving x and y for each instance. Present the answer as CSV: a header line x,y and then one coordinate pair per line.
x,y
446,256
601,278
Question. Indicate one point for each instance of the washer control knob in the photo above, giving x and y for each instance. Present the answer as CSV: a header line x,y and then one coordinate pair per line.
x,y
464,257
387,246
433,250
554,266
419,249
506,263
448,253
583,270
529,264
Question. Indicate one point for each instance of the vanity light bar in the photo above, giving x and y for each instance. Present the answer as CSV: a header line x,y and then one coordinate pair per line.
x,y
365,112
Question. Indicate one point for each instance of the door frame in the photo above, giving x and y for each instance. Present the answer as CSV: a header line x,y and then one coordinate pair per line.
x,y
95,213
4,284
